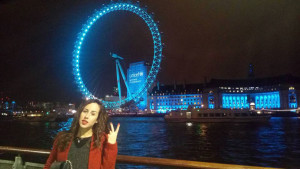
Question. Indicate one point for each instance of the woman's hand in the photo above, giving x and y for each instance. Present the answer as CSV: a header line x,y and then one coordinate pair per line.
x,y
112,136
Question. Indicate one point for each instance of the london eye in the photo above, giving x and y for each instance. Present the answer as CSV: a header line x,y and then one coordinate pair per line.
x,y
157,53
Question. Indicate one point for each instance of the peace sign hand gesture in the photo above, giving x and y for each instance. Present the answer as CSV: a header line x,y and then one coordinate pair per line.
x,y
112,136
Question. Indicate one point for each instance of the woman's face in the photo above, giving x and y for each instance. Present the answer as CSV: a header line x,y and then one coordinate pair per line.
x,y
89,115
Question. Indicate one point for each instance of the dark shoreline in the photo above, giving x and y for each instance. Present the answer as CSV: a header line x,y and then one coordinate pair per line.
x,y
285,114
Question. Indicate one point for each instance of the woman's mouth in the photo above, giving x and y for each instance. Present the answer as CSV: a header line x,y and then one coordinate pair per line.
x,y
84,122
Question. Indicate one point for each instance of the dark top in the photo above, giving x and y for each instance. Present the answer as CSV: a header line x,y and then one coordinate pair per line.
x,y
79,153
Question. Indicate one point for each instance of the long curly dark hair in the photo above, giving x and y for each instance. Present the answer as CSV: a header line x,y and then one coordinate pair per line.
x,y
99,129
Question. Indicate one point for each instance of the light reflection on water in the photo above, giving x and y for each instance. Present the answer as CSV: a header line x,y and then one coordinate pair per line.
x,y
274,144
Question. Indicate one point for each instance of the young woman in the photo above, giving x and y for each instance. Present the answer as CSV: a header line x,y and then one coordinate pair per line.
x,y
86,144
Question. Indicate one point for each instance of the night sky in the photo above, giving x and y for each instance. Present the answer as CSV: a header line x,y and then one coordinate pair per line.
x,y
203,38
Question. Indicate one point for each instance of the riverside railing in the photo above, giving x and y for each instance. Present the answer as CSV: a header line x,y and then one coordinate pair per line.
x,y
141,160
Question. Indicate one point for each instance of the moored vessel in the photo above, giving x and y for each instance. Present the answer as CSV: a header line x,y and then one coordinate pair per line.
x,y
217,115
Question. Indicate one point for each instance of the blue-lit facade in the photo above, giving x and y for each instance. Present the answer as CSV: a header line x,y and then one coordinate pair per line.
x,y
211,101
235,101
165,103
269,93
269,100
292,98
136,77
7,104
266,100
164,99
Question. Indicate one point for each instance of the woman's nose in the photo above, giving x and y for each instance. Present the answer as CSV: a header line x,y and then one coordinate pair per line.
x,y
87,115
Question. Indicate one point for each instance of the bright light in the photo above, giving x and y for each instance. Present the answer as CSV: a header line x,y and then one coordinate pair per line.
x,y
34,115
291,88
189,124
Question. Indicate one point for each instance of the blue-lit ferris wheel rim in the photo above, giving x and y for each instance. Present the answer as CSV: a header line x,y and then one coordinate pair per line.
x,y
156,58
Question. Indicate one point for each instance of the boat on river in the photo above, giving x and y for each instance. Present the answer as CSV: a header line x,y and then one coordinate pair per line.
x,y
217,115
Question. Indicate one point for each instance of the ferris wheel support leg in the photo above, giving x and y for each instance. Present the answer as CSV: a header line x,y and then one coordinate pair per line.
x,y
118,81
124,78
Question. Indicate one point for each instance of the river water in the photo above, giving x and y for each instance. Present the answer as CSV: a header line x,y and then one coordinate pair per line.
x,y
271,144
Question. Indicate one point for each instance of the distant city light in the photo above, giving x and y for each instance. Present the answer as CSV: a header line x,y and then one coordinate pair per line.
x,y
189,124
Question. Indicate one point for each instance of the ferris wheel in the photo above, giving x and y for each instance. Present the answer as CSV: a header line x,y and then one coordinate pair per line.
x,y
157,55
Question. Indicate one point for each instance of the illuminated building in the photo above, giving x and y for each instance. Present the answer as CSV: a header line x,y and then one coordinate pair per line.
x,y
7,103
167,98
292,98
137,75
260,93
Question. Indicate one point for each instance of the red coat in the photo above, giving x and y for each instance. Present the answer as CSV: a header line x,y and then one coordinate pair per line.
x,y
97,160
